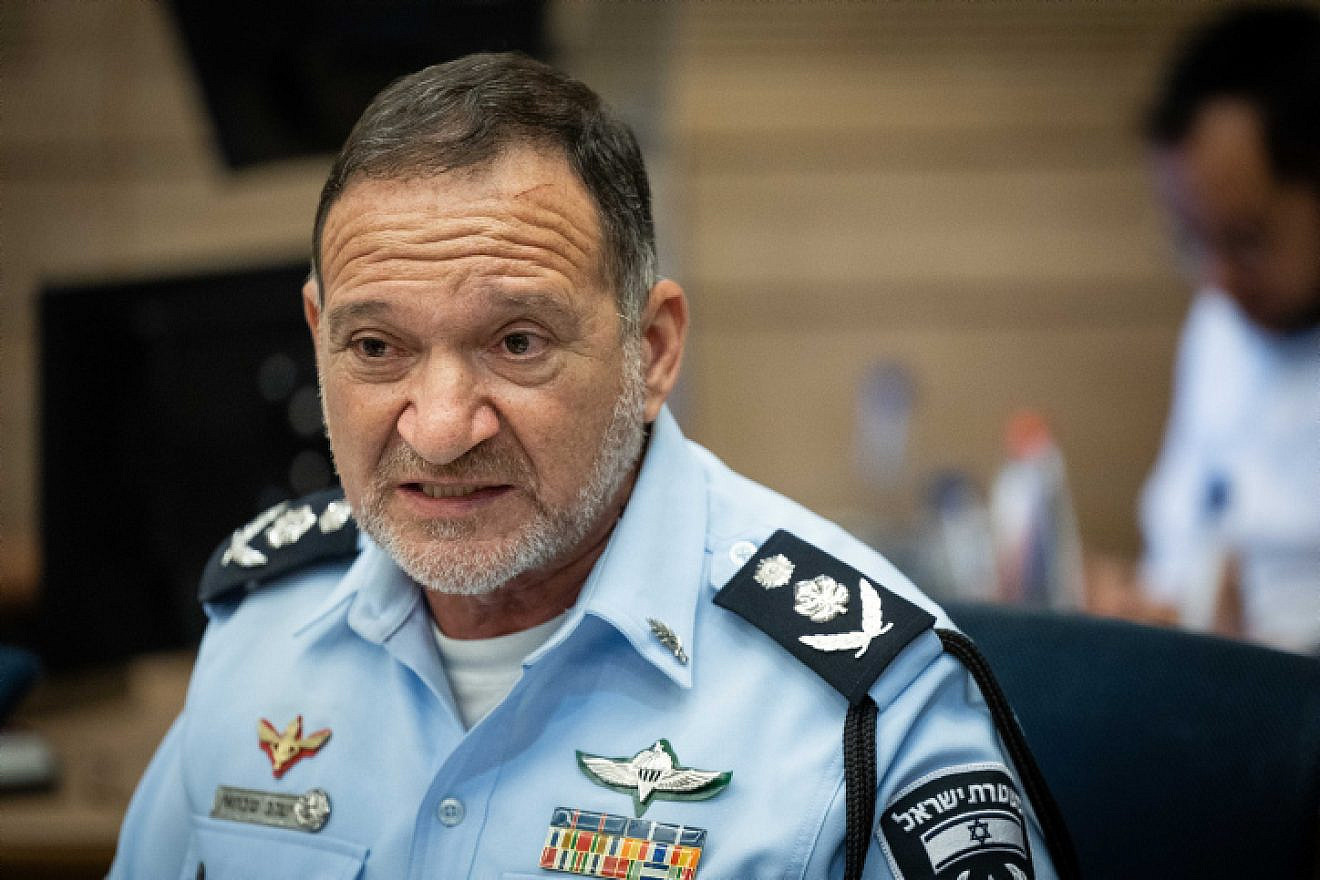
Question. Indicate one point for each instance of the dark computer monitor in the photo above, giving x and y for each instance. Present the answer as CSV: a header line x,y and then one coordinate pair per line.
x,y
290,79
172,411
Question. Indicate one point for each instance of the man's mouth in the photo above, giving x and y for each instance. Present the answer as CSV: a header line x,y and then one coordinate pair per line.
x,y
469,491
430,490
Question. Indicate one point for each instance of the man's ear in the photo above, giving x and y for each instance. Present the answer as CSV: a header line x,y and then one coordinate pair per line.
x,y
311,294
664,331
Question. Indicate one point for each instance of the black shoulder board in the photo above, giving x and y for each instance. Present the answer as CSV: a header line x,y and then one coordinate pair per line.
x,y
842,624
288,536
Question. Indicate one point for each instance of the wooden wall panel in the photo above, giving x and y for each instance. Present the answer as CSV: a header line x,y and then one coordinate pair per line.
x,y
996,227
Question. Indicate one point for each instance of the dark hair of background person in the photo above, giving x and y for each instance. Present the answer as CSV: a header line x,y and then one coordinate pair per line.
x,y
466,112
1268,56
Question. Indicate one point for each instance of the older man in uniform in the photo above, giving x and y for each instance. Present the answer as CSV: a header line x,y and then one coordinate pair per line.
x,y
536,634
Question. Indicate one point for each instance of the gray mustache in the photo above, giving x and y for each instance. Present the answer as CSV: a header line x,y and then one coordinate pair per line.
x,y
482,462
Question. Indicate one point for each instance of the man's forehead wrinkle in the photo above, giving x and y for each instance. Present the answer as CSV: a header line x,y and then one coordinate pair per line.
x,y
481,264
408,253
349,237
552,202
547,205
569,217
406,261
356,254
332,236
525,217
543,228
392,228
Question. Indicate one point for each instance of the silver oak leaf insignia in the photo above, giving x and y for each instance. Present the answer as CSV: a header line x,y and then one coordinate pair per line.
x,y
239,551
290,526
873,624
821,599
336,514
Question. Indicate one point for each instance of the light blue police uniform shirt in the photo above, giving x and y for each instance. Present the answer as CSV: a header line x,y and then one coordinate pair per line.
x,y
349,647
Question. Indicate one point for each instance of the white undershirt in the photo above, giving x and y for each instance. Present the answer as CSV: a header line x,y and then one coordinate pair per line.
x,y
482,671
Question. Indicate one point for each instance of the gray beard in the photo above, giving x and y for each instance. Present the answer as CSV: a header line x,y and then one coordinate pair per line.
x,y
446,563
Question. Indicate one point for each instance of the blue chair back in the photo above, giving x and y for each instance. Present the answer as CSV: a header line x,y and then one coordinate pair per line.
x,y
1170,754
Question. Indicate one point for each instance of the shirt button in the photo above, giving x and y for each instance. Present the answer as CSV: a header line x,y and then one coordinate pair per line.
x,y
450,811
742,551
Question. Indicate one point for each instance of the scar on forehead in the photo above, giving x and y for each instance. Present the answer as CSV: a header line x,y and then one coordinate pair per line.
x,y
532,189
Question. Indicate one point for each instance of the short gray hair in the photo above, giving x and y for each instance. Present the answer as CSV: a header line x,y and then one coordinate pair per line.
x,y
467,112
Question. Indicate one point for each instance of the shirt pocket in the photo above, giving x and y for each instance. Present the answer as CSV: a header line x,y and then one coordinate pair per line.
x,y
224,850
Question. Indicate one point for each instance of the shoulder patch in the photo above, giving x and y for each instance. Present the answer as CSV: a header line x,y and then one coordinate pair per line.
x,y
845,626
958,823
286,537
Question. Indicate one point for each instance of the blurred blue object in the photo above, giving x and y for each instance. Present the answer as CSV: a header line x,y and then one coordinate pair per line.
x,y
18,672
1171,754
26,760
958,552
884,401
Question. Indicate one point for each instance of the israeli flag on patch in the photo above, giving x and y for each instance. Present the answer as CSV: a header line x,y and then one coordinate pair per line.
x,y
963,823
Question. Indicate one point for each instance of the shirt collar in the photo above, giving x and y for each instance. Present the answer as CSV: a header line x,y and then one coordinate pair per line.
x,y
374,593
654,561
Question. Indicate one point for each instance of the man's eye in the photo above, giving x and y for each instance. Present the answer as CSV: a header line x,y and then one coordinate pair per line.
x,y
372,347
518,343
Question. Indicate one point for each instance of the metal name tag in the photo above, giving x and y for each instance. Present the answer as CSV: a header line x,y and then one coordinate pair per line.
x,y
301,812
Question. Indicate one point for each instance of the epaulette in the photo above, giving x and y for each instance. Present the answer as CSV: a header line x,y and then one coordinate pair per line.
x,y
847,627
288,536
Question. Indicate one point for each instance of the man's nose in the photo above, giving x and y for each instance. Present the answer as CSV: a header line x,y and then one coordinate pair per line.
x,y
448,411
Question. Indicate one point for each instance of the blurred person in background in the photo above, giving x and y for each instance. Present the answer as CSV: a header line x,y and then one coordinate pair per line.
x,y
1231,512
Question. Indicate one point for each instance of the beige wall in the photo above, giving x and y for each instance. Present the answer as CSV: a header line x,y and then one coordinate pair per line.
x,y
952,184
